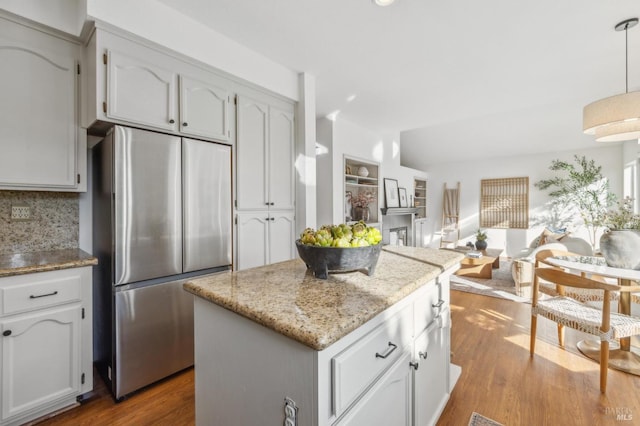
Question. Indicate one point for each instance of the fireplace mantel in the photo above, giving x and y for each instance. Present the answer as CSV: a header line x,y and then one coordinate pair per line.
x,y
394,211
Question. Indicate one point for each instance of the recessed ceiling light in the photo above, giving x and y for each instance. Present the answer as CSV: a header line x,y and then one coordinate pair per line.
x,y
383,2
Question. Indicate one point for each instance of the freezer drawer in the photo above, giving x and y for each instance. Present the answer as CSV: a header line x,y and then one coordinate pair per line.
x,y
154,334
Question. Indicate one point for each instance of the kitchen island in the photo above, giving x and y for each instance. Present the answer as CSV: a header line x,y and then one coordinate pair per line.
x,y
274,343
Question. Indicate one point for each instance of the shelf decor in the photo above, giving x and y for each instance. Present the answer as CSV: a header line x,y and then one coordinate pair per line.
x,y
402,192
391,193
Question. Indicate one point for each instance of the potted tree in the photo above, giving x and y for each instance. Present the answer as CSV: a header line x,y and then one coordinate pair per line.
x,y
580,187
481,240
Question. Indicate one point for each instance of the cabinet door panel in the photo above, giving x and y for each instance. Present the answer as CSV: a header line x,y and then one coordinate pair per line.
x,y
203,109
388,402
281,161
252,239
431,378
37,118
140,92
281,236
40,359
251,154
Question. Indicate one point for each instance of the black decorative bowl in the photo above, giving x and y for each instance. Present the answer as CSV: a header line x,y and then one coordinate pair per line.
x,y
323,260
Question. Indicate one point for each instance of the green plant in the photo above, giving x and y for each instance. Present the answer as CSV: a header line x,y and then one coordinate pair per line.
x,y
481,236
623,217
583,187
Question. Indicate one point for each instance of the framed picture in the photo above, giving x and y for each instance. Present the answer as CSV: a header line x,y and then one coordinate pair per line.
x,y
391,193
402,192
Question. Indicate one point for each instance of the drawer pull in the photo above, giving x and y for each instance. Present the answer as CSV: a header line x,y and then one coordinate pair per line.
x,y
414,365
389,351
423,355
43,295
439,304
6,333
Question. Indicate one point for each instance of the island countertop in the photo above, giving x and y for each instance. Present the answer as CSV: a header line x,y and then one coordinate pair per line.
x,y
43,261
288,299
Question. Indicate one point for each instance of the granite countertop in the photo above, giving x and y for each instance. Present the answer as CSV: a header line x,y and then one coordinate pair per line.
x,y
288,299
42,261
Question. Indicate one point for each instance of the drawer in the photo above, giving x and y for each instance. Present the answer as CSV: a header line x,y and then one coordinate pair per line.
x,y
28,292
426,305
361,364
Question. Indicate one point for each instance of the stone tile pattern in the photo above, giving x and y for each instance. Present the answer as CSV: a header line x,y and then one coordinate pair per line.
x,y
288,299
42,261
54,224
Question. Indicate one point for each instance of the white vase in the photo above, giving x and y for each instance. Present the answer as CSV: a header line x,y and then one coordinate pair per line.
x,y
363,171
621,248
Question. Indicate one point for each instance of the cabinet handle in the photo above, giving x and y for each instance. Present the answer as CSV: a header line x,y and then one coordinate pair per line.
x,y
43,295
172,121
272,204
266,204
414,365
6,333
423,355
185,124
389,351
439,304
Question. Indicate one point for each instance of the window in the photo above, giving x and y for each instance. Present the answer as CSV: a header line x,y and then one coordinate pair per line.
x,y
504,203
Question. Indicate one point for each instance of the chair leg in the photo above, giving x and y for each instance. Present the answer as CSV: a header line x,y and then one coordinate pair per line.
x,y
532,342
561,335
604,365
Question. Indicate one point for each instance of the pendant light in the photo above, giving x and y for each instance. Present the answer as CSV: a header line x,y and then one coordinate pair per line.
x,y
616,118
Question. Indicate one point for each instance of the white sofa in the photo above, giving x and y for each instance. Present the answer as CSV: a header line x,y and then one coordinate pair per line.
x,y
523,262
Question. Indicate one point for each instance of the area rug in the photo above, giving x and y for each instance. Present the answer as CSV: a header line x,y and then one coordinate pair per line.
x,y
480,420
501,284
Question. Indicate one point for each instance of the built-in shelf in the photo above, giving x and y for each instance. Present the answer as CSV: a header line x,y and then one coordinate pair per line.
x,y
420,197
361,179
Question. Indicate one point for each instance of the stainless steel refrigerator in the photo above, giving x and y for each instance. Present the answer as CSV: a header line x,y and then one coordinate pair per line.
x,y
161,213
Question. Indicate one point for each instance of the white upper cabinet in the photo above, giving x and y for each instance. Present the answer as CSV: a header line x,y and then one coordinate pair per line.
x,y
38,111
265,163
141,92
204,109
133,83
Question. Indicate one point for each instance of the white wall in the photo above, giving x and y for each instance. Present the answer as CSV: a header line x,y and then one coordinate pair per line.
x,y
340,138
536,167
161,24
65,15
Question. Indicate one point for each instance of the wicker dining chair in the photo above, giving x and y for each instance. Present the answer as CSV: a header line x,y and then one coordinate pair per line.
x,y
579,316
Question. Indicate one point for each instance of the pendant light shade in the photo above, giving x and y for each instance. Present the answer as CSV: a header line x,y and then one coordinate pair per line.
x,y
616,118
613,119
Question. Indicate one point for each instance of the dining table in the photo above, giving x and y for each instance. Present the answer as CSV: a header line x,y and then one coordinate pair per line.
x,y
625,357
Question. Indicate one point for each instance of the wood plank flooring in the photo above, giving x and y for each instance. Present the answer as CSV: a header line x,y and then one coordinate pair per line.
x,y
490,341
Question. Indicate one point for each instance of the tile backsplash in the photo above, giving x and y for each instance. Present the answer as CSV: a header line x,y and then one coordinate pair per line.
x,y
53,224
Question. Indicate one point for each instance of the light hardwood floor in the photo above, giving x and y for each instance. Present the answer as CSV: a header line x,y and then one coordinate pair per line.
x,y
490,341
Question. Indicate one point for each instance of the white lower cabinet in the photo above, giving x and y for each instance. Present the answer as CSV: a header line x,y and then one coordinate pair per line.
x,y
46,345
388,402
264,237
431,372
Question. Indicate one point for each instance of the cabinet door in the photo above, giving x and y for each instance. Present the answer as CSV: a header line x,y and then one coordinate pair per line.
x,y
388,402
252,239
251,154
281,161
40,358
431,377
141,93
203,109
38,132
282,236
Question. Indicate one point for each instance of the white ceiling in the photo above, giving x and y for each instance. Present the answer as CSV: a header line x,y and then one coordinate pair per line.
x,y
461,79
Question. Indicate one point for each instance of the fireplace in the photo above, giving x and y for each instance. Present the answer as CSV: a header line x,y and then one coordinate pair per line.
x,y
397,225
